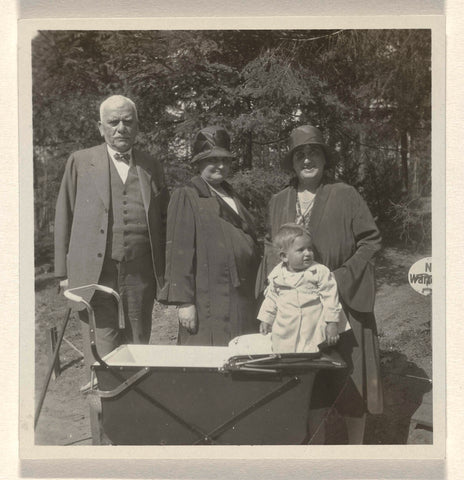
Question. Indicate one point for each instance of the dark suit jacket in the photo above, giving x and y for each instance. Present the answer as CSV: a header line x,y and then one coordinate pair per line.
x,y
82,212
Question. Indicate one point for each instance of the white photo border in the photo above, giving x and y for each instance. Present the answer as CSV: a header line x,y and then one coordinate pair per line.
x,y
28,450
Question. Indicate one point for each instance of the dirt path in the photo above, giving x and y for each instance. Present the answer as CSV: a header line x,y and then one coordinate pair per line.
x,y
404,325
64,419
403,318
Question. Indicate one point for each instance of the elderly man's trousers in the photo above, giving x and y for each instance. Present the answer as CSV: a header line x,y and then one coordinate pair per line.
x,y
135,283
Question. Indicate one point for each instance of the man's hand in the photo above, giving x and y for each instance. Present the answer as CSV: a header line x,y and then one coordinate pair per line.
x,y
187,316
331,332
265,328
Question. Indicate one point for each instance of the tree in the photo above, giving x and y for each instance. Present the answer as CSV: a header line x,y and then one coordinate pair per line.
x,y
368,90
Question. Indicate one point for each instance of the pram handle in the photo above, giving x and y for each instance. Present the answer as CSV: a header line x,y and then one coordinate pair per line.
x,y
277,362
71,294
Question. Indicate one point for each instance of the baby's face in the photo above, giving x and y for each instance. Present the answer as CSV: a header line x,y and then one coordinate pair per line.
x,y
299,255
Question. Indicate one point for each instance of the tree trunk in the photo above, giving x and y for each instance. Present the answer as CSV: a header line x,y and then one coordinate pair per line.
x,y
43,227
404,159
36,201
414,164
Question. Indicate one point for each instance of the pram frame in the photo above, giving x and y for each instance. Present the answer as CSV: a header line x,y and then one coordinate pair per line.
x,y
270,365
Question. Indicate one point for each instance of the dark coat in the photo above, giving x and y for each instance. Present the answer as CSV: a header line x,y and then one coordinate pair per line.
x,y
211,261
82,215
345,239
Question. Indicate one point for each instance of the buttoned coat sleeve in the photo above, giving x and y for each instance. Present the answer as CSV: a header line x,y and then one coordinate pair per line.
x,y
180,251
268,310
328,293
81,218
355,276
157,219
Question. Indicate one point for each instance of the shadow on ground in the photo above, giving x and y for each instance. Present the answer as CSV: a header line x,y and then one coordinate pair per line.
x,y
405,385
387,272
43,282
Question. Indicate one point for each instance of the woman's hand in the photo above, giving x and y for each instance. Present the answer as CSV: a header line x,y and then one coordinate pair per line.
x,y
187,316
331,332
265,328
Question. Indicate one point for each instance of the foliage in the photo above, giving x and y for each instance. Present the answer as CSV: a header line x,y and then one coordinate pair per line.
x,y
368,90
255,188
412,220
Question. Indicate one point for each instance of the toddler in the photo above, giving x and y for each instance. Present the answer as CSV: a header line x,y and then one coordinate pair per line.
x,y
301,306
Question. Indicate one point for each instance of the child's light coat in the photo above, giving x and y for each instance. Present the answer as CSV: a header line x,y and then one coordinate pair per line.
x,y
298,305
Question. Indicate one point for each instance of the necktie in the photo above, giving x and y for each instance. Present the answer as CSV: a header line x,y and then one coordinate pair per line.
x,y
124,157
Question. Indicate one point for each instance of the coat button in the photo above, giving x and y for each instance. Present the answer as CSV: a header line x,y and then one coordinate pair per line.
x,y
102,231
99,255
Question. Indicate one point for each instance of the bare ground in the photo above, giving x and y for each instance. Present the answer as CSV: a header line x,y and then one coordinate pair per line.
x,y
404,322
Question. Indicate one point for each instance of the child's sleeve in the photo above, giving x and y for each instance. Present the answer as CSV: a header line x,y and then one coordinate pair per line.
x,y
328,293
268,310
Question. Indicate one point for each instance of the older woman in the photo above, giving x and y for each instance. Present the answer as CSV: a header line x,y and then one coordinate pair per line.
x,y
345,239
212,254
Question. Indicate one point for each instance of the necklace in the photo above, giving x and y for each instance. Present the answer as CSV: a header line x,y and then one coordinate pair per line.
x,y
304,206
305,201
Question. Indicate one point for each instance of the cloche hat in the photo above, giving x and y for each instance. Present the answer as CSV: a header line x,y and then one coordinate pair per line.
x,y
213,141
305,135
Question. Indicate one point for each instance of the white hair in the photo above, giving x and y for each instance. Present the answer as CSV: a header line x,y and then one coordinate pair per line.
x,y
117,99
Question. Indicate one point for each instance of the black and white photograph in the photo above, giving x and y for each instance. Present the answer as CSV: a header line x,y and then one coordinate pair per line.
x,y
232,238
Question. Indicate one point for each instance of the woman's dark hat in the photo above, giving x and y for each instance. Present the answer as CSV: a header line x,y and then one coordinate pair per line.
x,y
211,142
305,135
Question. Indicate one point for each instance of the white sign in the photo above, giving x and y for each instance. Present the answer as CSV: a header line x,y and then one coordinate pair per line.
x,y
420,276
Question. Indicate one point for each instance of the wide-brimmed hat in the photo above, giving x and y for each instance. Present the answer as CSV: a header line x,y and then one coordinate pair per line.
x,y
211,142
305,135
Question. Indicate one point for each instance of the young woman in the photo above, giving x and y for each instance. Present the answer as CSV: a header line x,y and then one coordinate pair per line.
x,y
345,239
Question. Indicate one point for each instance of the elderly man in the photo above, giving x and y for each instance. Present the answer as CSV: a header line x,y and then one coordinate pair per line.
x,y
110,228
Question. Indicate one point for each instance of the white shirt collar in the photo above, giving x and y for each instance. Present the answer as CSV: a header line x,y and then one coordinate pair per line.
x,y
112,151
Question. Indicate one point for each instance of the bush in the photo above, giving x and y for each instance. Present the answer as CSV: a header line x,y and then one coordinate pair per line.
x,y
412,221
177,174
255,187
43,249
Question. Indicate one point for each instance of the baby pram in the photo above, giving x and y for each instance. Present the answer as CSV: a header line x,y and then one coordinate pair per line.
x,y
242,394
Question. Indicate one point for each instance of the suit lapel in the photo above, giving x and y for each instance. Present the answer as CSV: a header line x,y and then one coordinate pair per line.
x,y
99,164
145,176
